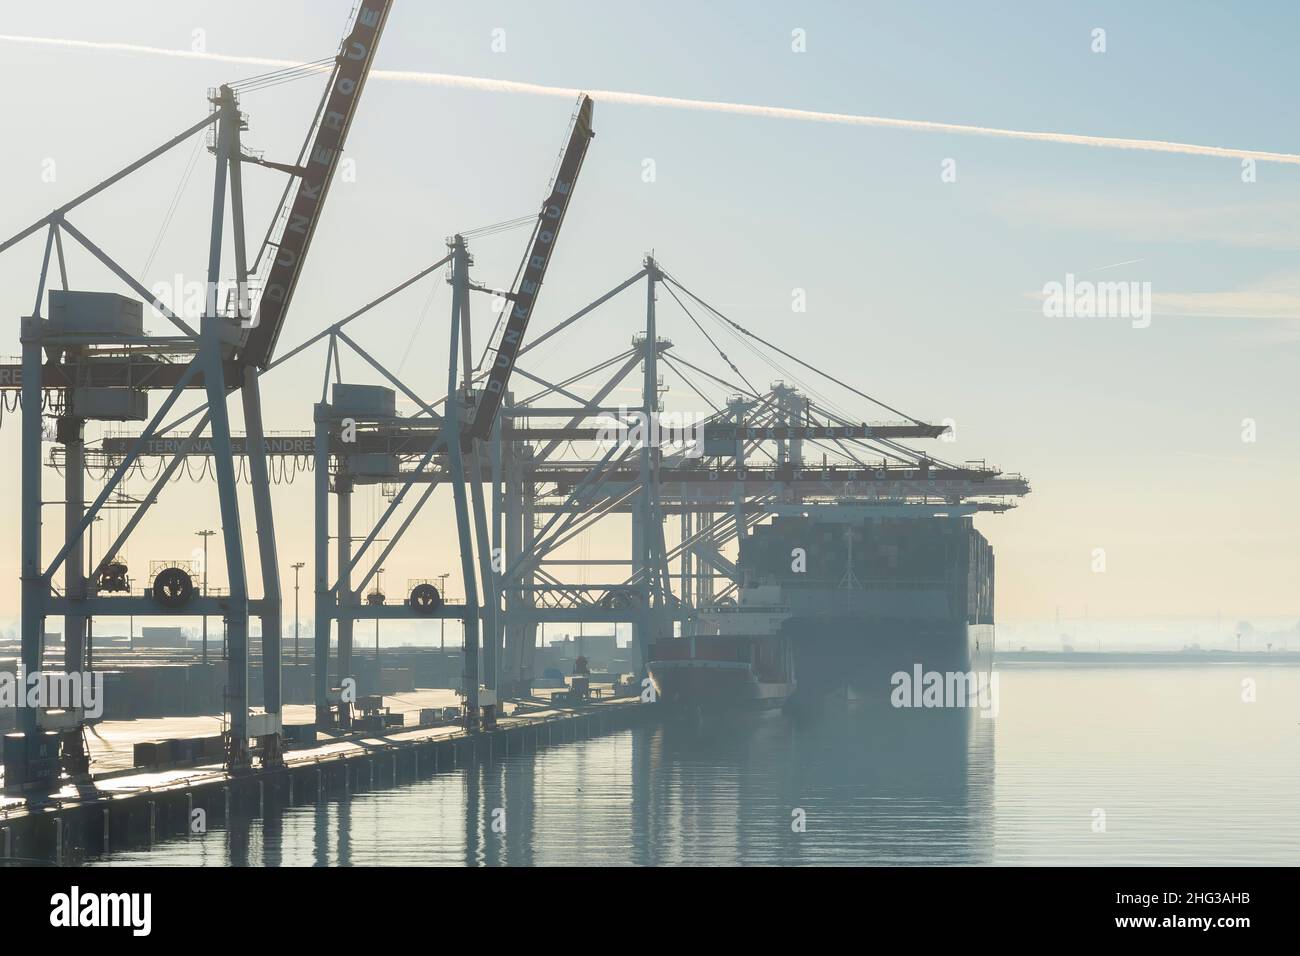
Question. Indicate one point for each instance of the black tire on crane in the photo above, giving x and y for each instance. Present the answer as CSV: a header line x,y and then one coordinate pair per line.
x,y
425,599
173,587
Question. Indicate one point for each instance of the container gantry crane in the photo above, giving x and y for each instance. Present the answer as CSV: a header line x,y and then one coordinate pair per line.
x,y
93,355
458,438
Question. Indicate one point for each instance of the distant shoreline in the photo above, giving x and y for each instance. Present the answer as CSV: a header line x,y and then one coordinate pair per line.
x,y
1086,658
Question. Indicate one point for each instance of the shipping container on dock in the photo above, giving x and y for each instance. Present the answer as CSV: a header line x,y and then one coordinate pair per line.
x,y
117,701
398,680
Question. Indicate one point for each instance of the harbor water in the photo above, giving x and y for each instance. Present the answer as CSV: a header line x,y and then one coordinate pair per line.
x,y
1121,765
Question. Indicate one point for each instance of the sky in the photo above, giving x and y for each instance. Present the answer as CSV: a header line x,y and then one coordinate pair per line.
x,y
923,255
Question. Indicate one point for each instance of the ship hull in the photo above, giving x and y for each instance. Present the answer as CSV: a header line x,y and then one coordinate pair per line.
x,y
703,686
863,655
873,596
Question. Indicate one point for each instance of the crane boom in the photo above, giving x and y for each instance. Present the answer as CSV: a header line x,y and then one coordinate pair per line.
x,y
533,271
351,68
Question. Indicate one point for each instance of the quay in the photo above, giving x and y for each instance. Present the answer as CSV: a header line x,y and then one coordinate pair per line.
x,y
128,806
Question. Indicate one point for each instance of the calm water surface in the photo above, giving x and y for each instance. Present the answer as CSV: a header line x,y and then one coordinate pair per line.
x,y
1182,768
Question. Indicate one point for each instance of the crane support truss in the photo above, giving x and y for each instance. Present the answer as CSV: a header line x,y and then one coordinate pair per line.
x,y
711,493
85,367
714,494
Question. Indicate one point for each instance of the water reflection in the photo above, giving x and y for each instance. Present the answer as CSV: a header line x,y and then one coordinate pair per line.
x,y
857,786
860,786
1185,771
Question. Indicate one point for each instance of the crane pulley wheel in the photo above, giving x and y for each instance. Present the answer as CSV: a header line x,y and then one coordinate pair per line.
x,y
173,587
425,599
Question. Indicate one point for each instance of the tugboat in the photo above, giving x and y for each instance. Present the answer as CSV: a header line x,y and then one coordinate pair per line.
x,y
738,661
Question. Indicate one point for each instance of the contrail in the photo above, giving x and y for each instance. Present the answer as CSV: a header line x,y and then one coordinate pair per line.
x,y
1114,265
483,84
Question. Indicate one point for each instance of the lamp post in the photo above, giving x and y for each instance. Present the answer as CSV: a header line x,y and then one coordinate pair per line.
x,y
296,568
442,622
205,535
90,573
379,582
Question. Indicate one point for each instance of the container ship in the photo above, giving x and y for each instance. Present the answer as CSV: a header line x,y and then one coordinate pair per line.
x,y
875,591
839,598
